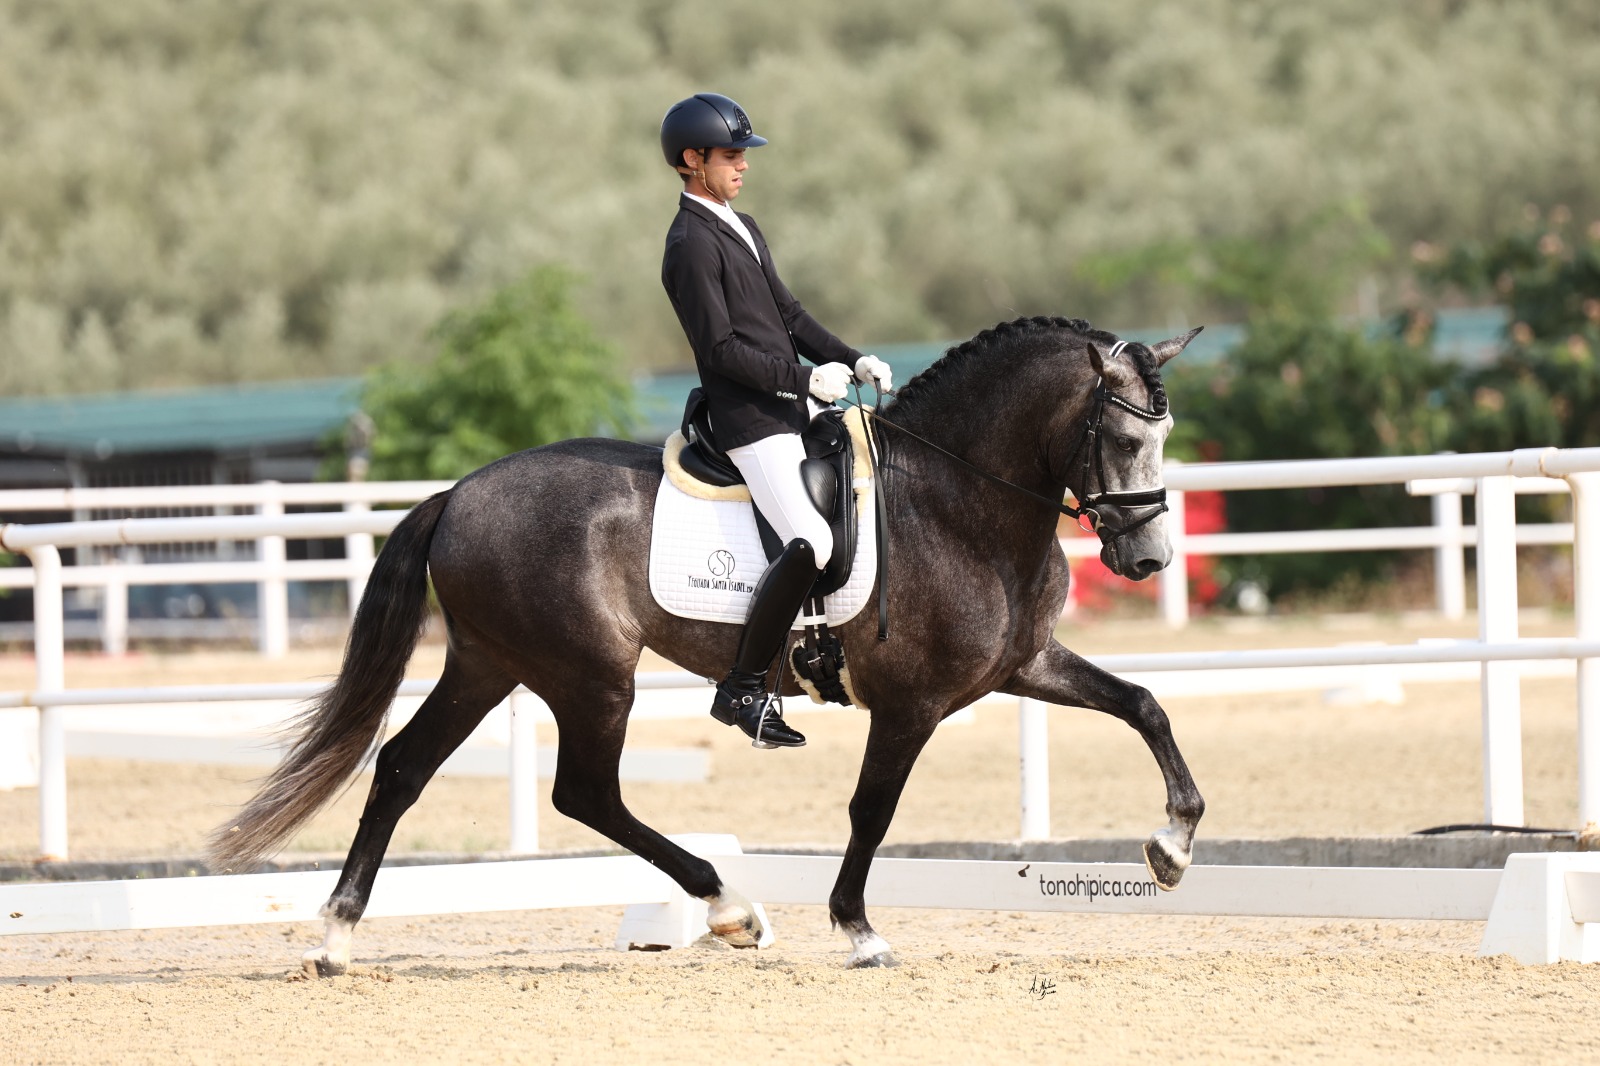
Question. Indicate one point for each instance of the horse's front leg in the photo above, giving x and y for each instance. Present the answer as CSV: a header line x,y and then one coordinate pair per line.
x,y
892,749
1056,675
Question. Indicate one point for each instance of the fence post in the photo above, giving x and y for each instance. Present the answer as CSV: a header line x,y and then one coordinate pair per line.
x,y
1497,623
524,770
50,675
1033,741
1449,558
114,611
358,551
1174,588
1586,602
273,592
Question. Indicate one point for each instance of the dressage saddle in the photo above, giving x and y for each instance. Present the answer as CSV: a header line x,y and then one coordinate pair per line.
x,y
826,472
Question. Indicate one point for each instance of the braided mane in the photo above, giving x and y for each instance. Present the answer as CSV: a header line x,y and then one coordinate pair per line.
x,y
1002,337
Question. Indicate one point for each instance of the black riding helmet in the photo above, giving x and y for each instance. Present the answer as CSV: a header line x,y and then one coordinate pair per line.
x,y
705,120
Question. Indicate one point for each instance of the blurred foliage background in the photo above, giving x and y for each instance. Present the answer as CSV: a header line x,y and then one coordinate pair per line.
x,y
229,190
465,202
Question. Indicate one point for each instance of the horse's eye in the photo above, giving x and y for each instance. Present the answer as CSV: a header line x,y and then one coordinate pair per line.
x,y
1125,444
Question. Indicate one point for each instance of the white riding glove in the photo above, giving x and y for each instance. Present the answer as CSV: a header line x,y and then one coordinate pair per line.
x,y
871,368
830,381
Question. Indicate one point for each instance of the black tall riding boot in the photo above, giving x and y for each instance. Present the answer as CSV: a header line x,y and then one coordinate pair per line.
x,y
742,697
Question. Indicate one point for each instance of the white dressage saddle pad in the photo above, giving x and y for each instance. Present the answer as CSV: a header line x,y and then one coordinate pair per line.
x,y
706,557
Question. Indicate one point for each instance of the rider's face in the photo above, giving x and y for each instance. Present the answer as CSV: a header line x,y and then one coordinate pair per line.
x,y
723,172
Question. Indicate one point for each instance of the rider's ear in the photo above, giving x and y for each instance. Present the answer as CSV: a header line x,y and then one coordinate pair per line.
x,y
1118,373
1165,350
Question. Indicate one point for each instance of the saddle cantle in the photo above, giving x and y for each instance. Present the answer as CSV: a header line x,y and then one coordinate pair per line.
x,y
828,473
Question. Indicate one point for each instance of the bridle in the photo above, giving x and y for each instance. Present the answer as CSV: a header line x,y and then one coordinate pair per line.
x,y
1107,511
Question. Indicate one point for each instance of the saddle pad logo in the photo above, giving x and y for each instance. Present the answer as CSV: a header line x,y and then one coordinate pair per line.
x,y
721,563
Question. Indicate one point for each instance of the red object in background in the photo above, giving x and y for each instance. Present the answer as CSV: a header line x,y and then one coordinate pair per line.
x,y
1094,588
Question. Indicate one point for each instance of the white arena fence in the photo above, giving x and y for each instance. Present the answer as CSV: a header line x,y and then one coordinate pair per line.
x,y
1542,908
1448,538
1498,651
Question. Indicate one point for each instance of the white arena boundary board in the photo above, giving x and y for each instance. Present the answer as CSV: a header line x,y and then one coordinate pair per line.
x,y
1537,913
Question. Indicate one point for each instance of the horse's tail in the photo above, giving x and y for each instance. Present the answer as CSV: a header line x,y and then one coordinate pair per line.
x,y
334,735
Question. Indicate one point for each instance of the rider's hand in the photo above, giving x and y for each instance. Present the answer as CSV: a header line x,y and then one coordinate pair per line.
x,y
830,381
871,368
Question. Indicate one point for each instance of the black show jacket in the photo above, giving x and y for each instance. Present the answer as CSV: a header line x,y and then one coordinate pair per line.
x,y
746,330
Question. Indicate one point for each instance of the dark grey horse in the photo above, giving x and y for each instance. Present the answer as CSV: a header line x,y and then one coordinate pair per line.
x,y
538,563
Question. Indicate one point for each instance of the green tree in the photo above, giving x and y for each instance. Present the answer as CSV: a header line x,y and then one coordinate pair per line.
x,y
1309,388
522,369
1544,386
1304,384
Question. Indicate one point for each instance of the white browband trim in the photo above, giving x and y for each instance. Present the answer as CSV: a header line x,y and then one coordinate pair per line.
x,y
1116,349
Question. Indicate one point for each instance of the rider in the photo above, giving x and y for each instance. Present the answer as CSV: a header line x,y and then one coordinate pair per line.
x,y
748,334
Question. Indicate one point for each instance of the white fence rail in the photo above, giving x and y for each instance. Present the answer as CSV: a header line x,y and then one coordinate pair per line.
x,y
1540,909
1497,650
271,572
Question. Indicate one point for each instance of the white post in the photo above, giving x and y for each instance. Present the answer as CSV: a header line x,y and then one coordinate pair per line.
x,y
1033,741
114,613
1586,603
1497,622
524,773
1174,588
358,550
1449,558
50,675
273,592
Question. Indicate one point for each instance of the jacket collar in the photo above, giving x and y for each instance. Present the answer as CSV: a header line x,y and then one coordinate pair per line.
x,y
698,208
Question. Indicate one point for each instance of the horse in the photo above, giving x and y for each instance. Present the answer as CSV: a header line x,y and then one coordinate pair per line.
x,y
537,565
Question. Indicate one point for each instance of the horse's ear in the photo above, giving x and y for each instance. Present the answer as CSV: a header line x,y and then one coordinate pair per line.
x,y
1165,350
1117,373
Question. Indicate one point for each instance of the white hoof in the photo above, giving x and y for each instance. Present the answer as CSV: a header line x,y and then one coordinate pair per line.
x,y
332,957
1165,859
732,920
869,951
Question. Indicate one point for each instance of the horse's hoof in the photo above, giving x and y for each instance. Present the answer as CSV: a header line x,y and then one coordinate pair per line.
x,y
739,931
1164,861
732,920
868,950
316,963
881,961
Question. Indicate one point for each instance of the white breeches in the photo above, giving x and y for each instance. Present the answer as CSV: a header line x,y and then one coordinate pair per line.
x,y
771,468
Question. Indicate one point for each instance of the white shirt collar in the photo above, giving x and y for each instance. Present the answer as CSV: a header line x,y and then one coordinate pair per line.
x,y
728,215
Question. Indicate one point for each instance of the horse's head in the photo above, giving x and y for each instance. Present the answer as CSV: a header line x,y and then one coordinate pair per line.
x,y
1116,470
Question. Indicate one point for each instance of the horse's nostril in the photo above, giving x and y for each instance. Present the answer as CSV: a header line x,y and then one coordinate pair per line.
x,y
1146,567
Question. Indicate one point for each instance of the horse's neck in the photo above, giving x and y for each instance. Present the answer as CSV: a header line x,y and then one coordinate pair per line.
x,y
1022,434
1024,439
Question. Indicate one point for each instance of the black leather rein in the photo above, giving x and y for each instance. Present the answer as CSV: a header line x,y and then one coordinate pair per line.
x,y
1091,447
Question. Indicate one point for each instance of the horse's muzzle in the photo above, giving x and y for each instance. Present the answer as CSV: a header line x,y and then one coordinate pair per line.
x,y
1133,567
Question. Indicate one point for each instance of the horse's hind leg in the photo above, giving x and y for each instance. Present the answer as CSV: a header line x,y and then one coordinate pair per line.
x,y
1056,675
468,688
593,720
